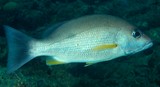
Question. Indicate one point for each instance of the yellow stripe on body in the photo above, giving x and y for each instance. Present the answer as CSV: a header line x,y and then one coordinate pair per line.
x,y
104,47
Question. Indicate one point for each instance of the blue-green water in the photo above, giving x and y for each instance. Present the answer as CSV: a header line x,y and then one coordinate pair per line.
x,y
32,16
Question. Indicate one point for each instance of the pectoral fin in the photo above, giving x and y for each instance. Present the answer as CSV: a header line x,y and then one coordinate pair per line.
x,y
50,62
104,47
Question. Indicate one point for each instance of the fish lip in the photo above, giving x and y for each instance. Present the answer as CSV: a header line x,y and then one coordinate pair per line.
x,y
146,46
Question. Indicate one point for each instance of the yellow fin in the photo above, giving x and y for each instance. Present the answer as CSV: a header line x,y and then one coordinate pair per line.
x,y
105,46
53,62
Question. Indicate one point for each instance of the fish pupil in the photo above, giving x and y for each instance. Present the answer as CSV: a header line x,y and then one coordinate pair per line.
x,y
136,34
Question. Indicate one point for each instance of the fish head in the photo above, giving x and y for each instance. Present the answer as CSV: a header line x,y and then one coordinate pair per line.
x,y
131,40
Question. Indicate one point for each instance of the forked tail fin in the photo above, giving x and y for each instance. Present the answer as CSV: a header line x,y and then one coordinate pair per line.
x,y
18,49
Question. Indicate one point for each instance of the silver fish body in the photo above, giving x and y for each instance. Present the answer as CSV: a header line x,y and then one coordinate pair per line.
x,y
89,39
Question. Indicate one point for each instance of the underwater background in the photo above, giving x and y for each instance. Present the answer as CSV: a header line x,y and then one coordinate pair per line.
x,y
32,16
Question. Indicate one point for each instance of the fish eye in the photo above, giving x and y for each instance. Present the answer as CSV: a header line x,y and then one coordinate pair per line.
x,y
136,34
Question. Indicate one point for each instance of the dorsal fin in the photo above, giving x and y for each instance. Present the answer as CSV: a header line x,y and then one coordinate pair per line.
x,y
51,29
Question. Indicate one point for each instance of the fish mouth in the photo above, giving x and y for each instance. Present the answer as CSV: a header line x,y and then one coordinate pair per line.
x,y
146,46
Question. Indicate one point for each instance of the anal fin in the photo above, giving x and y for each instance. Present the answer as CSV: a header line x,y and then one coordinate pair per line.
x,y
50,62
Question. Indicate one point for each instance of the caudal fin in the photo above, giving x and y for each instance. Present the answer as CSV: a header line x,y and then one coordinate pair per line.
x,y
18,46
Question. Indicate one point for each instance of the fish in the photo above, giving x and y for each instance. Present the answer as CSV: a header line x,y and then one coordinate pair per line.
x,y
88,39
